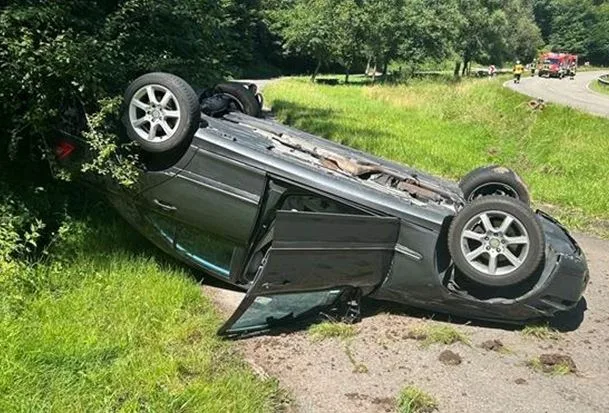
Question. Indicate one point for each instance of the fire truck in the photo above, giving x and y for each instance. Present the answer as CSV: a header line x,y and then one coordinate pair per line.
x,y
557,65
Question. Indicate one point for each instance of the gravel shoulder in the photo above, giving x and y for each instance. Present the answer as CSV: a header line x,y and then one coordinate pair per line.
x,y
574,93
321,376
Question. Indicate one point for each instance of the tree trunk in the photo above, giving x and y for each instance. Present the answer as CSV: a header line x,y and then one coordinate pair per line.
x,y
374,72
317,69
368,65
457,69
347,76
466,64
385,69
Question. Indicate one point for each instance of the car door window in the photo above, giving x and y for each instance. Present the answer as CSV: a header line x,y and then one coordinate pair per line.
x,y
206,251
268,311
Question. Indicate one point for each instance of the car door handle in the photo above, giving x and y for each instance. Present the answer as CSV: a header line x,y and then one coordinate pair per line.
x,y
165,206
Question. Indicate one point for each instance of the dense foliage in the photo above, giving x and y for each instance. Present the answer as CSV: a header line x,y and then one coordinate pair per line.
x,y
349,32
70,54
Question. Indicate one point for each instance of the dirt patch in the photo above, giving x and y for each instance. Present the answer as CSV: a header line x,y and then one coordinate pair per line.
x,y
550,362
320,375
493,345
449,358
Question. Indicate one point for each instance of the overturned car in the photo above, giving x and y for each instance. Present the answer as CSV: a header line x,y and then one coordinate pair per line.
x,y
304,225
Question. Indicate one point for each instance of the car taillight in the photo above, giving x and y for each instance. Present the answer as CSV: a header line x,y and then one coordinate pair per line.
x,y
64,149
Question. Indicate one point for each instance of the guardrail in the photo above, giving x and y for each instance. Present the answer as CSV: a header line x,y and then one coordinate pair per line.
x,y
604,80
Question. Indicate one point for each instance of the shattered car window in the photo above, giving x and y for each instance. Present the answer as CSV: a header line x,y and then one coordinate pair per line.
x,y
268,311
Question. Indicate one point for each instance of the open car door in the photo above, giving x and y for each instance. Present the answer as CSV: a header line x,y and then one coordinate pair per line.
x,y
313,260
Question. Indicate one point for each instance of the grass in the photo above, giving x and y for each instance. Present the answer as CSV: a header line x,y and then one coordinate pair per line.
x,y
104,325
540,332
330,330
414,400
450,128
598,87
430,334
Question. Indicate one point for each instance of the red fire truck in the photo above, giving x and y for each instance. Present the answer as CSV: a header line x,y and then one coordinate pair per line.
x,y
557,65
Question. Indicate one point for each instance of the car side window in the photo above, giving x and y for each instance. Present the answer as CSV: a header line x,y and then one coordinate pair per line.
x,y
207,251
165,227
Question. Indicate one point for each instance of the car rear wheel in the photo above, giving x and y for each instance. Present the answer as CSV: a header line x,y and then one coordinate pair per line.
x,y
494,180
496,241
242,98
162,112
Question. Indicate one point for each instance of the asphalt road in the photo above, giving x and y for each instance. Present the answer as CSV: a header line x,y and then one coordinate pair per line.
x,y
574,93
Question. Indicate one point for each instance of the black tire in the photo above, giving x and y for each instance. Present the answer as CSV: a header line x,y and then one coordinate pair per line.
x,y
185,125
494,180
243,97
530,256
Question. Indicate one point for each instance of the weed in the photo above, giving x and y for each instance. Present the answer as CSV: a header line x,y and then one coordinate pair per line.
x,y
430,334
414,400
540,332
328,330
357,367
553,364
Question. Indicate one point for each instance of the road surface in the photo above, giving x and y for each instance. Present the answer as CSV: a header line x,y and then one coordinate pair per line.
x,y
574,93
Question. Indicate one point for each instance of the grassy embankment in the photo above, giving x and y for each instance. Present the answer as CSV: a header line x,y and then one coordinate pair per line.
x,y
449,129
105,324
597,87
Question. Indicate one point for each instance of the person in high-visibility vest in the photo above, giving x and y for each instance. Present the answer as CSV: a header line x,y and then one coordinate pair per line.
x,y
518,71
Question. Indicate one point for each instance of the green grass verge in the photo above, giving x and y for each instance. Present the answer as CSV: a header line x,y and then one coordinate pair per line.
x,y
598,87
105,326
450,128
414,400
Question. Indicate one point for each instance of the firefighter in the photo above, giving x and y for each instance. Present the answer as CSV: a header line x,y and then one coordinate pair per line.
x,y
533,67
518,71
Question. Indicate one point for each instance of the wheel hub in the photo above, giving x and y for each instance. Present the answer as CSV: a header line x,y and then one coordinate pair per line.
x,y
154,113
495,243
157,114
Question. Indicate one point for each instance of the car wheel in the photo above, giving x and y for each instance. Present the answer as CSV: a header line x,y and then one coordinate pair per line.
x,y
162,112
243,99
494,180
496,241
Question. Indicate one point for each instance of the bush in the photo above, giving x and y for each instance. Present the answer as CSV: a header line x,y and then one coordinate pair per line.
x,y
73,55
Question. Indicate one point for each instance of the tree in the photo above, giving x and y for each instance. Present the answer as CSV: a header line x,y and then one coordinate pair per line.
x,y
429,31
307,27
494,31
571,23
350,34
78,53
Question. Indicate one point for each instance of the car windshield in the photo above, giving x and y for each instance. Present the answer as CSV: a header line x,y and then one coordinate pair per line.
x,y
551,61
